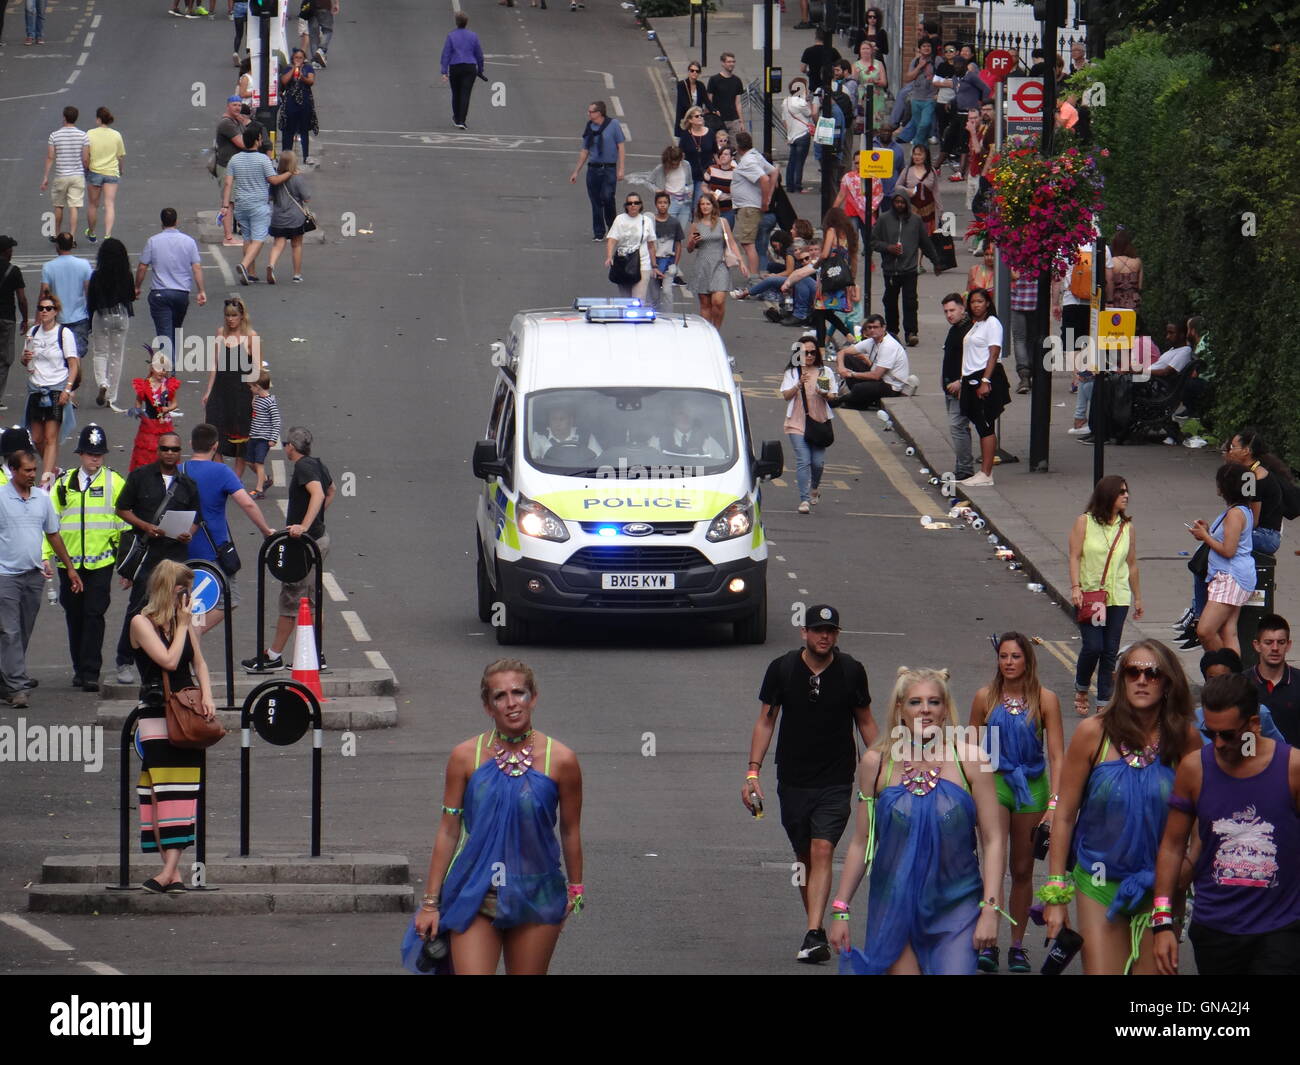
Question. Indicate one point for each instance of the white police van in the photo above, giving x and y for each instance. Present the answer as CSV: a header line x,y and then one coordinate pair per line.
x,y
620,478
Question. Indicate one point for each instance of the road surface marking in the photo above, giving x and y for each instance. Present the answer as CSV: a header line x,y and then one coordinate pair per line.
x,y
227,274
41,936
100,968
332,588
377,660
353,622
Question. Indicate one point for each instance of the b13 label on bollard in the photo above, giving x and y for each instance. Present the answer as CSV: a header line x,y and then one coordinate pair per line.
x,y
288,560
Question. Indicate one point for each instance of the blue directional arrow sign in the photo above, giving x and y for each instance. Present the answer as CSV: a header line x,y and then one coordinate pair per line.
x,y
205,593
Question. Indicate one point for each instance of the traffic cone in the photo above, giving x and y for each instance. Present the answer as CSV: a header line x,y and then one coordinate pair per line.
x,y
306,665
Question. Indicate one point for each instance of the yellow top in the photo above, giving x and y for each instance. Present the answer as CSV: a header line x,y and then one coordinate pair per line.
x,y
1097,539
106,148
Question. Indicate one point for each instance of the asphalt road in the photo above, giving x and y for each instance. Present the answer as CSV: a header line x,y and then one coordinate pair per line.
x,y
394,379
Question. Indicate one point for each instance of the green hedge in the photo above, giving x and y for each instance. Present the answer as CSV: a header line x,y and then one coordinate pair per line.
x,y
1190,154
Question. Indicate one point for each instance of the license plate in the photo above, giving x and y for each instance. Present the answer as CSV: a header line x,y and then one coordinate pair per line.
x,y
637,582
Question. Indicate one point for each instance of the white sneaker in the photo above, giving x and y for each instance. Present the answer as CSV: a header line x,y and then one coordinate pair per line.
x,y
1081,430
804,508
126,674
979,479
1195,442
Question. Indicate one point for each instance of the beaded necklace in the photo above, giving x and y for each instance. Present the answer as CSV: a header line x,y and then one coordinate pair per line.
x,y
919,781
1140,759
512,763
1014,705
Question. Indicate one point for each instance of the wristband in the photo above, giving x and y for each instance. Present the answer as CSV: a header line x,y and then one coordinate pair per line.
x,y
840,906
840,916
1054,894
576,897
455,811
575,889
751,776
1161,902
993,904
1051,803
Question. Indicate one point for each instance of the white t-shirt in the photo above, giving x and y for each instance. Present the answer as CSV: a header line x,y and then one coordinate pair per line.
x,y
751,168
975,348
1177,358
48,364
891,355
632,232
798,116
1068,299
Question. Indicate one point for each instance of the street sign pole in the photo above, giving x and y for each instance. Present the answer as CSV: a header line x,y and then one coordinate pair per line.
x,y
767,81
704,34
1100,407
1040,403
868,142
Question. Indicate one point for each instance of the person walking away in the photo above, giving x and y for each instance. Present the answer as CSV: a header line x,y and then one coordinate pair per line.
x,y
216,484
165,644
806,386
984,390
959,426
50,358
725,94
288,216
27,519
104,173
177,269
1124,284
752,184
110,296
238,12
156,396
311,491
149,493
1242,791
321,28
1076,309
1024,304
1231,567
298,103
824,695
631,238
1026,718
932,905
462,62
604,153
897,235
229,140
68,154
263,431
85,501
1103,558
13,297
250,176
67,276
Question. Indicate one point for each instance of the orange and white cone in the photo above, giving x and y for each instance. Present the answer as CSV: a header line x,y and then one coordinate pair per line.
x,y
306,664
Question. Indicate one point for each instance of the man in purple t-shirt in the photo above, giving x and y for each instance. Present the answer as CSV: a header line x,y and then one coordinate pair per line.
x,y
1242,791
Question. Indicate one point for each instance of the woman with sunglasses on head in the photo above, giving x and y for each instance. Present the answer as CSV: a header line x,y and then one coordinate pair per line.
x,y
504,792
931,907
1017,717
50,357
1103,558
1114,794
1230,568
228,397
165,643
691,93
632,234
697,145
155,397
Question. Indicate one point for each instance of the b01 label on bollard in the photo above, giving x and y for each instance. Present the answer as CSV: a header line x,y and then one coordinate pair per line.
x,y
281,716
288,560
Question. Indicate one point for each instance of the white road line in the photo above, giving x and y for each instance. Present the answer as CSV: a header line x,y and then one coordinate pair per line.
x,y
73,76
227,274
617,105
81,59
94,23
100,968
455,5
803,591
90,39
284,506
332,588
31,96
472,148
277,472
609,78
780,558
353,621
793,576
41,936
377,661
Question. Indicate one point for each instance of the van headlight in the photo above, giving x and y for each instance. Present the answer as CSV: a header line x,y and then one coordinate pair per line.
x,y
535,520
736,520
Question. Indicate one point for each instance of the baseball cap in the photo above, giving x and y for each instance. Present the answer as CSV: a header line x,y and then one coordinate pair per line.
x,y
236,99
92,441
821,616
7,242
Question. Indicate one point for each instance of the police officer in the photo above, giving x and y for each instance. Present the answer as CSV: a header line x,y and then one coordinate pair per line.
x,y
85,501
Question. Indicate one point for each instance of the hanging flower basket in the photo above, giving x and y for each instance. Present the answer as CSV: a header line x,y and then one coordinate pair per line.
x,y
1042,209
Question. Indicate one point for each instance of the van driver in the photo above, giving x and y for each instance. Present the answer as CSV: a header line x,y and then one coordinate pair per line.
x,y
562,431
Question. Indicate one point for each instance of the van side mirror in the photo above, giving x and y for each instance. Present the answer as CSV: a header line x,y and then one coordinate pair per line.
x,y
771,461
486,463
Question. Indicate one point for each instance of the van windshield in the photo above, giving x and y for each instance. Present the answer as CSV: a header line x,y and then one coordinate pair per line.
x,y
635,433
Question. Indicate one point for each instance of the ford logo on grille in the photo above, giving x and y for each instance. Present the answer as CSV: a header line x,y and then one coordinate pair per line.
x,y
638,528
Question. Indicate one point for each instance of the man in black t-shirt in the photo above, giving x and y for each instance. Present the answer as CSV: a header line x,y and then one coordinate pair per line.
x,y
725,91
959,323
817,60
1278,683
825,696
11,287
311,490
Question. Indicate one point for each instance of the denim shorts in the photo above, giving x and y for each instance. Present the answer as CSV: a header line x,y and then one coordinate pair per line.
x,y
255,451
255,221
99,180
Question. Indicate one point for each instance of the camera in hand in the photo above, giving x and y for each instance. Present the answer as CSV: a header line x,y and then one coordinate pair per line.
x,y
435,950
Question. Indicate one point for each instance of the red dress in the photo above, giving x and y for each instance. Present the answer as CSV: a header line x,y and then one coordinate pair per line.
x,y
149,398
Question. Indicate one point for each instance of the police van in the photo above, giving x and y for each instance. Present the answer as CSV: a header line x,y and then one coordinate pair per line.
x,y
619,475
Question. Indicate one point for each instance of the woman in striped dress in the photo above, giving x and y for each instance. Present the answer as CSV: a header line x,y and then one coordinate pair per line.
x,y
170,778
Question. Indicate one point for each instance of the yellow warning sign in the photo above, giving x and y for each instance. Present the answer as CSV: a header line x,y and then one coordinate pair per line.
x,y
877,163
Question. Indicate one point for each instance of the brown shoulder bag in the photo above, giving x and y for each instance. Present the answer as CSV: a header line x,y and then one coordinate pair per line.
x,y
186,725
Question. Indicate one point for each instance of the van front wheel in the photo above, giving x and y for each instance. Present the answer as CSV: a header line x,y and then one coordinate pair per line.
x,y
512,629
753,629
485,594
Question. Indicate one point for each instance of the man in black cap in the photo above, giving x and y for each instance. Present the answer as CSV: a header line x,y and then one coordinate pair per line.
x,y
85,501
150,491
825,695
11,287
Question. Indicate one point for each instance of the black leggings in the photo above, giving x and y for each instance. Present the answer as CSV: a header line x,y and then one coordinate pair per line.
x,y
294,125
820,320
241,24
